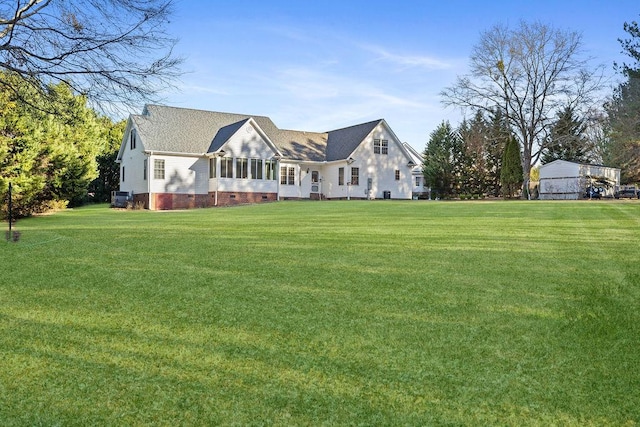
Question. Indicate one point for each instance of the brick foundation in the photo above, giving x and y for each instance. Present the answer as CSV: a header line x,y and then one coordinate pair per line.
x,y
233,198
141,198
169,201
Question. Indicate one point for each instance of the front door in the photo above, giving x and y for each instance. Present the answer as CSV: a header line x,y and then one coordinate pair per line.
x,y
315,185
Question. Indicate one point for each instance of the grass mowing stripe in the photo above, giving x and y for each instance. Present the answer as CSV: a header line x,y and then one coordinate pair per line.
x,y
516,313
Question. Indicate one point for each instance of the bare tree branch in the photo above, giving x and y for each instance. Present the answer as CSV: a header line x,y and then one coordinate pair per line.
x,y
115,52
529,73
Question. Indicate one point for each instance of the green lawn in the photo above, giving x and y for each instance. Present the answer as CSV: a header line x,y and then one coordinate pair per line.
x,y
324,313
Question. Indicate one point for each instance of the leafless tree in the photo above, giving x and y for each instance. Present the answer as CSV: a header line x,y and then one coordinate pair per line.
x,y
116,52
529,73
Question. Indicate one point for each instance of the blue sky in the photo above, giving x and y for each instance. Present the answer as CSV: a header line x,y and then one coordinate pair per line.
x,y
323,65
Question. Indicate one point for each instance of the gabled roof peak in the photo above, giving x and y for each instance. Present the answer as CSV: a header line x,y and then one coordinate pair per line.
x,y
353,126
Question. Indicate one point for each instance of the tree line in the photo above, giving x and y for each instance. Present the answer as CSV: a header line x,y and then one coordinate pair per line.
x,y
60,63
58,159
534,98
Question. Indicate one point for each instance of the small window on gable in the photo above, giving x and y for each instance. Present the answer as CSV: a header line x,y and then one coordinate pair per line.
x,y
132,138
380,146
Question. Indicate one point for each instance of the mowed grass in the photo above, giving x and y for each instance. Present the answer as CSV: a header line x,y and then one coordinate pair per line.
x,y
324,313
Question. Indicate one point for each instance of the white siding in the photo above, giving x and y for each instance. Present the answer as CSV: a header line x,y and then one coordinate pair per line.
x,y
294,190
381,168
567,180
246,143
133,162
182,175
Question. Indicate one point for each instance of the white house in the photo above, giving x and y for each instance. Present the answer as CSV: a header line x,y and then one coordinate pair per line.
x,y
177,158
561,180
419,189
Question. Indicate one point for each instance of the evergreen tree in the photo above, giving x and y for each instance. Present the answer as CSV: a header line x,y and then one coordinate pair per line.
x,y
499,133
49,159
567,140
442,161
622,148
108,179
511,171
474,135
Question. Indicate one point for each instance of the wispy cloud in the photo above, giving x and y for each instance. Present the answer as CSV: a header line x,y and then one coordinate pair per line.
x,y
420,61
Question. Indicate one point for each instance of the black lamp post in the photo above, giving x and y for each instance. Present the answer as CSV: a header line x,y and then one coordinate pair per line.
x,y
10,212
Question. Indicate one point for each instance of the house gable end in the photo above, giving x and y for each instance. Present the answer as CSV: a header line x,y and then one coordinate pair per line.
x,y
342,143
243,139
125,144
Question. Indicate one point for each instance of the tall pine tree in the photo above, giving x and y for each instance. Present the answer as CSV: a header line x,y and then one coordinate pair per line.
x,y
442,163
511,171
622,147
567,139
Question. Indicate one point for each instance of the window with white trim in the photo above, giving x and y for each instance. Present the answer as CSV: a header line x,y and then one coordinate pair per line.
x,y
355,176
242,170
144,169
270,169
212,167
158,169
132,139
340,176
226,167
397,175
287,175
418,181
380,146
256,168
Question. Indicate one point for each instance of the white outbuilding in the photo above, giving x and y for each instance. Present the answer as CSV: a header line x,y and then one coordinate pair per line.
x,y
563,180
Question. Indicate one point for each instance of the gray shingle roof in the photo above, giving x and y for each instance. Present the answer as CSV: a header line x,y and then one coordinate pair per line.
x,y
224,134
184,130
342,142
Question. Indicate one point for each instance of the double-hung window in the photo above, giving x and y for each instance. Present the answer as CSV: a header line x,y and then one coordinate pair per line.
x,y
340,176
380,146
158,169
287,175
144,169
355,176
397,175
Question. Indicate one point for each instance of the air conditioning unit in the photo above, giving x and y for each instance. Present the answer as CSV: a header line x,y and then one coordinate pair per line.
x,y
119,199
